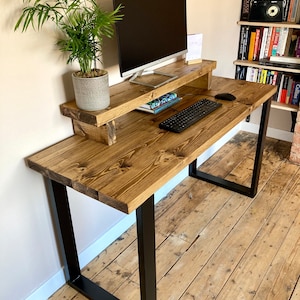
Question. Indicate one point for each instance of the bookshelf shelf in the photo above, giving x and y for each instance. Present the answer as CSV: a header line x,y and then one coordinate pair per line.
x,y
267,24
282,106
255,64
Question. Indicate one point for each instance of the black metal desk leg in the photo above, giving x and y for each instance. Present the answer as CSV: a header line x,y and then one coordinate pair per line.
x,y
248,191
146,248
63,222
264,119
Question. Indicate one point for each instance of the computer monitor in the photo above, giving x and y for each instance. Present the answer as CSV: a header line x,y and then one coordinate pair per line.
x,y
151,32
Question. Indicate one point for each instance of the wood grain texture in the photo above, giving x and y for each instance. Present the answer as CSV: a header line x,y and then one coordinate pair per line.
x,y
145,157
105,134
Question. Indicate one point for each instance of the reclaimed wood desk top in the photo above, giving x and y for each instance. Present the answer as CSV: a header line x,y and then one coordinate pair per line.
x,y
145,157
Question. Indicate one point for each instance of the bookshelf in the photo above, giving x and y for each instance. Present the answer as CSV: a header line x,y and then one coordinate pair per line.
x,y
275,104
245,62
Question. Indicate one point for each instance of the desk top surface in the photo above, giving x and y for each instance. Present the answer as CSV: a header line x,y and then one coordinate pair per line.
x,y
145,157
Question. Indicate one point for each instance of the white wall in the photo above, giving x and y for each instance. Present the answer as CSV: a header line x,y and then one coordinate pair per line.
x,y
217,20
34,81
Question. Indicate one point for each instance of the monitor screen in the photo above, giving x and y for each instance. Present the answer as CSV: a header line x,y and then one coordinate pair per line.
x,y
151,31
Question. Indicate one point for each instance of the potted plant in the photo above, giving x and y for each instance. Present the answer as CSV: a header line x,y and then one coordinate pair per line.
x,y
82,25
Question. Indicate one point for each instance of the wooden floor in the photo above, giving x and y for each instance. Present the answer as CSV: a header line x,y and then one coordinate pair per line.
x,y
216,244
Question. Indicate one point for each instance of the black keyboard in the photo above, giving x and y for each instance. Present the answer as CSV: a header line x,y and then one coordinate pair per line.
x,y
189,116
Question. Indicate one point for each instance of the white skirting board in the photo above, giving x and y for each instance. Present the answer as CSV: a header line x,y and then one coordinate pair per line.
x,y
271,132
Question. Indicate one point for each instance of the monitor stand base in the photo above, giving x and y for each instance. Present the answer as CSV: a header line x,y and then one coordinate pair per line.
x,y
152,79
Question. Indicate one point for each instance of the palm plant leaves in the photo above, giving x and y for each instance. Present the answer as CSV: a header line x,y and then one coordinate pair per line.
x,y
83,24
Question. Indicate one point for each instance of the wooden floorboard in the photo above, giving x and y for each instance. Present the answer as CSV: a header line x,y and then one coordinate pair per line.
x,y
213,243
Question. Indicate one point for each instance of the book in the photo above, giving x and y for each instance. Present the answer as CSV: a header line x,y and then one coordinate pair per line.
x,y
285,59
297,48
244,40
286,10
268,42
257,43
157,105
275,41
251,45
160,101
284,89
289,89
281,78
288,42
296,94
252,74
272,37
292,91
283,37
240,72
258,75
245,10
249,74
264,43
293,43
295,12
291,6
263,76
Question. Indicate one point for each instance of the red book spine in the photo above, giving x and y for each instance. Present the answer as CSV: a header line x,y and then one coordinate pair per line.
x,y
257,44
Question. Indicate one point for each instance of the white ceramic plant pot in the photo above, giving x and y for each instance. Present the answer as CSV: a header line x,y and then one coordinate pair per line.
x,y
91,93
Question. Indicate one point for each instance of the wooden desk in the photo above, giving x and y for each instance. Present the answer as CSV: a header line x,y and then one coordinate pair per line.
x,y
126,174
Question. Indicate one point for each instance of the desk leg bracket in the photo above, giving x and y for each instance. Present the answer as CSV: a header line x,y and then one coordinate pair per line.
x,y
248,191
59,203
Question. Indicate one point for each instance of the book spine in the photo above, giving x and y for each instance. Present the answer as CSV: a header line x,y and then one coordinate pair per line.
x,y
292,3
279,83
288,42
249,74
286,11
271,42
297,48
289,89
258,73
274,78
241,44
264,73
263,42
296,95
257,44
246,43
241,72
159,108
251,45
167,105
276,40
160,101
284,88
268,42
295,12
269,77
241,54
282,41
245,9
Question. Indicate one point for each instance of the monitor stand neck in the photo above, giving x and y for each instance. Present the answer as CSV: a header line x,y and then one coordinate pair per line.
x,y
152,78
